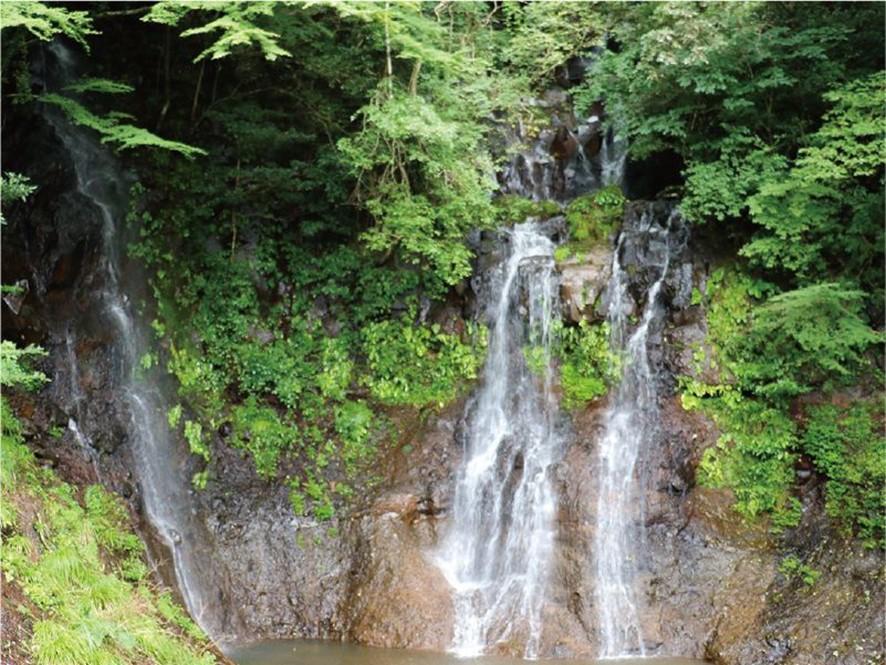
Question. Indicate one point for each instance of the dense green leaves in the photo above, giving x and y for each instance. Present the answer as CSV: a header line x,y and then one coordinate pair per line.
x,y
824,216
14,370
806,338
237,23
797,342
14,187
418,366
848,445
121,135
45,21
587,366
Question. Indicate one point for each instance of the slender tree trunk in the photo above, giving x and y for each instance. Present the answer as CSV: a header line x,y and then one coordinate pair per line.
x,y
413,80
234,214
167,85
389,65
197,91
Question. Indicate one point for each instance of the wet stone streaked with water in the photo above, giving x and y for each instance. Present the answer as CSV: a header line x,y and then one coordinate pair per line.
x,y
497,550
160,463
629,427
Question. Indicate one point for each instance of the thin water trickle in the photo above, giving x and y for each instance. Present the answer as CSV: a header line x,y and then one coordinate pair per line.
x,y
497,552
159,463
630,425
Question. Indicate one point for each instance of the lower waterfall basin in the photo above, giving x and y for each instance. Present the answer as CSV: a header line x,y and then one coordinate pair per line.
x,y
319,652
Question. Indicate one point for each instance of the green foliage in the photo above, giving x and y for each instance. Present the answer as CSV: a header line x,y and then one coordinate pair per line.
x,y
511,208
83,569
542,36
825,214
194,437
45,21
14,372
793,343
754,456
593,217
354,424
687,75
587,366
105,86
406,140
777,116
418,365
14,187
123,136
849,447
537,359
259,430
793,568
756,450
810,337
719,189
238,23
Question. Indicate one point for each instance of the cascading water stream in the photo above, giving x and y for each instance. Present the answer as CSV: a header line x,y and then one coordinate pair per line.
x,y
160,465
630,424
497,552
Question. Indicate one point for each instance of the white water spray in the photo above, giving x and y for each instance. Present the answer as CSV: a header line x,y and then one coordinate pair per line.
x,y
497,553
629,426
160,464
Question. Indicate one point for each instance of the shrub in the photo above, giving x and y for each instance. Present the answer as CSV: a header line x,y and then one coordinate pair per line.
x,y
259,430
587,366
593,217
793,568
418,365
849,447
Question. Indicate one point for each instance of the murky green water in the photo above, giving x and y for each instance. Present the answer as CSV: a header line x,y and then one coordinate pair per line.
x,y
286,652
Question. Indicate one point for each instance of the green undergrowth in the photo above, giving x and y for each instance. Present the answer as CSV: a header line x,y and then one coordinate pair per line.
x,y
794,569
587,368
81,567
295,353
512,208
847,444
587,365
771,350
592,218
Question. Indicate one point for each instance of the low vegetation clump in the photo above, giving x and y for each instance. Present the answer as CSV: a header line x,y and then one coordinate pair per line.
x,y
592,219
792,567
512,208
78,565
588,367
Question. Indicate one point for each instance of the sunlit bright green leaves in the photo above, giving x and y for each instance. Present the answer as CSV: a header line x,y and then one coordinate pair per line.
x,y
235,25
45,20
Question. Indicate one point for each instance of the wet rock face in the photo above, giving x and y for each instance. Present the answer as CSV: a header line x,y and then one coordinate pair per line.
x,y
583,282
51,247
710,585
366,576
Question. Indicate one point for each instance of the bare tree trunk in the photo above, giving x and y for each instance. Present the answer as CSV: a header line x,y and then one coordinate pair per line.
x,y
167,85
197,91
413,80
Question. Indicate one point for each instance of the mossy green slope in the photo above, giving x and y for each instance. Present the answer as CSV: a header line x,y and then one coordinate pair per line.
x,y
74,574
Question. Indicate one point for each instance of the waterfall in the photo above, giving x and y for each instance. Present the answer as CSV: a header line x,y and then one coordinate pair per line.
x,y
159,463
497,552
630,424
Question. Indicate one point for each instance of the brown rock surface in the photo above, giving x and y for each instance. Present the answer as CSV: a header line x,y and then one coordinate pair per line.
x,y
583,281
